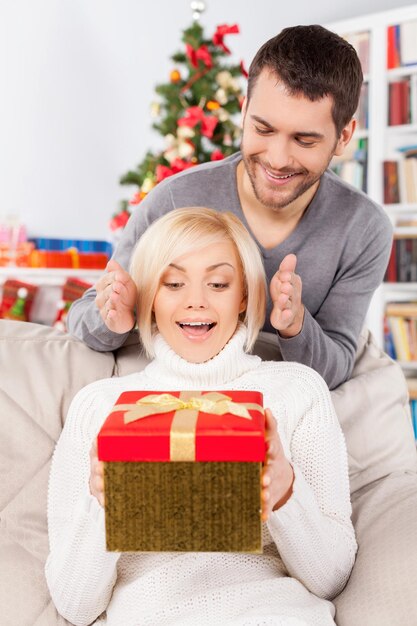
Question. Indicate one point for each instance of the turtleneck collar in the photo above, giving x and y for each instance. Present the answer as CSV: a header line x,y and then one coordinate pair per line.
x,y
229,364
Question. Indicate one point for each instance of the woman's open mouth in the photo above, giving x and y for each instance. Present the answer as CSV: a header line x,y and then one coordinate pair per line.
x,y
196,329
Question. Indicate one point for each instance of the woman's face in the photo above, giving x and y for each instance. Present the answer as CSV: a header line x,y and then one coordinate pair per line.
x,y
198,302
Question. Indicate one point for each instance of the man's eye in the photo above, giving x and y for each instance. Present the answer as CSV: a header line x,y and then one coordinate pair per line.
x,y
262,131
305,144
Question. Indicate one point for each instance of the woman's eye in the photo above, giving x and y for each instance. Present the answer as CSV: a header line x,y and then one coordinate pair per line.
x,y
173,286
219,286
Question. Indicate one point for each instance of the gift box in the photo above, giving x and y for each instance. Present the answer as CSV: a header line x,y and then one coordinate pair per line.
x,y
182,471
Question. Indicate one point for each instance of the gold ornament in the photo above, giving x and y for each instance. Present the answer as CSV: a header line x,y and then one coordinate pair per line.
x,y
221,96
147,185
175,76
226,81
185,132
212,105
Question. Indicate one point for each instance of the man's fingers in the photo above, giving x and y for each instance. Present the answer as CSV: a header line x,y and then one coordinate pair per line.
x,y
288,263
113,266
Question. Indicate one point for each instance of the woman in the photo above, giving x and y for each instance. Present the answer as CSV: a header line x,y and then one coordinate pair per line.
x,y
201,303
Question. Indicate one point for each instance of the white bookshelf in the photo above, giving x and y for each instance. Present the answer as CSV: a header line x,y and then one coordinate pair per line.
x,y
383,140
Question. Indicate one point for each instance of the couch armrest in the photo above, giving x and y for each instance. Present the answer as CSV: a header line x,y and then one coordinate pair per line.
x,y
381,589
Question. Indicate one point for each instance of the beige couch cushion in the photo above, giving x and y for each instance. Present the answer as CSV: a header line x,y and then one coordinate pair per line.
x,y
41,371
382,587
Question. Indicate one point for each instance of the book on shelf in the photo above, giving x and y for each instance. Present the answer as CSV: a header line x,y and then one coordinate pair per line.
x,y
406,220
402,100
399,102
402,264
402,44
393,46
391,182
413,412
400,330
400,177
408,42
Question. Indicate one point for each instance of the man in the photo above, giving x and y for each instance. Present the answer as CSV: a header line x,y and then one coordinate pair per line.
x,y
325,245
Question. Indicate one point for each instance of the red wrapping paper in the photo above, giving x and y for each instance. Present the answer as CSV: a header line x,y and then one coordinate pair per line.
x,y
225,437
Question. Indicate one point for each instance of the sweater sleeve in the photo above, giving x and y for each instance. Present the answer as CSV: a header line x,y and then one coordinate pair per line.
x,y
80,573
328,341
313,530
83,319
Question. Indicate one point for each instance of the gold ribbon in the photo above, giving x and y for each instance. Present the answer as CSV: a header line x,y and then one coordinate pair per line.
x,y
186,407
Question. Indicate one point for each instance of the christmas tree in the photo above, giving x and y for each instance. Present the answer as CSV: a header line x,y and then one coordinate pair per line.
x,y
196,112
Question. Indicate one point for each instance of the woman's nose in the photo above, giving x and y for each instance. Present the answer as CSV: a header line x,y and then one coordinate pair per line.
x,y
196,299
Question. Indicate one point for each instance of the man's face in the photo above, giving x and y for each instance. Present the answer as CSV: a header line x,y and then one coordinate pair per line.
x,y
288,141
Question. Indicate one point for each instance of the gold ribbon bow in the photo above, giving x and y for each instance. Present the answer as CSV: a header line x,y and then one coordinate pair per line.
x,y
186,407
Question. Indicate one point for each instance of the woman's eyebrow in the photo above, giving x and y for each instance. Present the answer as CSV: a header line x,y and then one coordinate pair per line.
x,y
210,268
216,265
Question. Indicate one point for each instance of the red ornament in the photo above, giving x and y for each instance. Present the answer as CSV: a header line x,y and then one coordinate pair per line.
x,y
201,54
177,165
119,220
221,31
194,115
216,155
243,70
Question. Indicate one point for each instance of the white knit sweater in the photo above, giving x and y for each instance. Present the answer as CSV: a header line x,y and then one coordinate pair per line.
x,y
309,543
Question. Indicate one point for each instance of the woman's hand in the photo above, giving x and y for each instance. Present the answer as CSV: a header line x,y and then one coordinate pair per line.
x,y
96,481
277,474
116,298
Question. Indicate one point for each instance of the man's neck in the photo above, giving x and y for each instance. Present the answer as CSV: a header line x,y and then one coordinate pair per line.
x,y
270,227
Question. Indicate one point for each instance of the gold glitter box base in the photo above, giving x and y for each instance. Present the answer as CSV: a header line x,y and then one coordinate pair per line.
x,y
183,506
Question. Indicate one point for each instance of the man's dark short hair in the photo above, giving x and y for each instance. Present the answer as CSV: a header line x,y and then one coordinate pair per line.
x,y
314,62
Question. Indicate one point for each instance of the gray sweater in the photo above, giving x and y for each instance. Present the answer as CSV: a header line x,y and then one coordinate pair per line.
x,y
342,244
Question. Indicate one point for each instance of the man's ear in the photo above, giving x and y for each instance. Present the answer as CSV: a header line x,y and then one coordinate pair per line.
x,y
345,137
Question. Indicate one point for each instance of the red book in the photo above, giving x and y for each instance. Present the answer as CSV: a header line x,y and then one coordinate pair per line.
x,y
393,47
399,102
391,186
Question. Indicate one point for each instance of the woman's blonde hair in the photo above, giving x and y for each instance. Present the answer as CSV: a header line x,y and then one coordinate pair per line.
x,y
182,231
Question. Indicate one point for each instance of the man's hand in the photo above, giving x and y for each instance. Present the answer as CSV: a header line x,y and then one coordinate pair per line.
x,y
287,309
116,298
96,481
277,474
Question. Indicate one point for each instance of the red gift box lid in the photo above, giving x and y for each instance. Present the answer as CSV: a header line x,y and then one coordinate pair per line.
x,y
226,437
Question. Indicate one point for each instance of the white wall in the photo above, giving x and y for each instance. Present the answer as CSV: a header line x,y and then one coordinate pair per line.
x,y
77,78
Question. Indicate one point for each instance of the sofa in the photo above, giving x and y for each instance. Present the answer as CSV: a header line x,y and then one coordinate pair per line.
x,y
41,370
